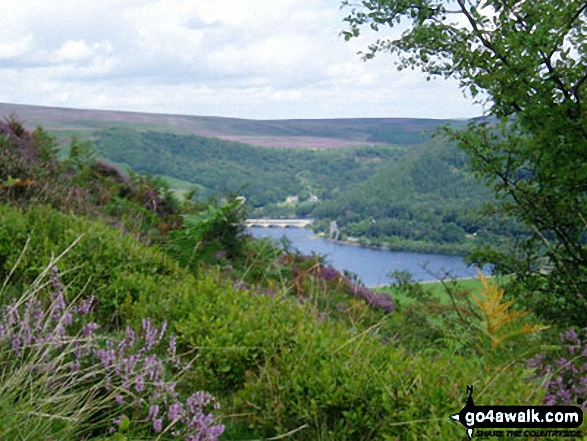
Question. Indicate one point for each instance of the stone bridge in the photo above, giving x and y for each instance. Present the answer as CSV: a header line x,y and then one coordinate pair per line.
x,y
278,223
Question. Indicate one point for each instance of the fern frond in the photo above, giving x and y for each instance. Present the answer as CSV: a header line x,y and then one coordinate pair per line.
x,y
497,315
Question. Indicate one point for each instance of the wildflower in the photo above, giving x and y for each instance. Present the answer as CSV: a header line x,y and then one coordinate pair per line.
x,y
175,411
119,419
162,332
89,329
16,344
153,411
38,316
566,378
105,356
75,365
330,274
139,383
86,305
569,336
130,336
118,367
220,254
172,348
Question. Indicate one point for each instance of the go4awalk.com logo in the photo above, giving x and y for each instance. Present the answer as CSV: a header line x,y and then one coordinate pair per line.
x,y
517,420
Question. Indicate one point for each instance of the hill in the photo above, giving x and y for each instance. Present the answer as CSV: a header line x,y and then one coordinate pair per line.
x,y
426,200
299,133
410,196
262,175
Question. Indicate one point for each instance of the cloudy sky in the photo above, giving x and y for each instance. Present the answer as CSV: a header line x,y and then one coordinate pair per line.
x,y
260,59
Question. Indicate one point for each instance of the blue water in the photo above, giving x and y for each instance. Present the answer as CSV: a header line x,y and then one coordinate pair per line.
x,y
372,266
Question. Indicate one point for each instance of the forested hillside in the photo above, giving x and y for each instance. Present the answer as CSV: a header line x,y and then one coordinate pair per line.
x,y
262,175
426,200
414,195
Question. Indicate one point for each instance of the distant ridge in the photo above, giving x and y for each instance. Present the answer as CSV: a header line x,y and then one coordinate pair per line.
x,y
301,133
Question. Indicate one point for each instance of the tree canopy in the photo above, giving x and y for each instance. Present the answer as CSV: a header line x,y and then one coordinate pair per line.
x,y
526,61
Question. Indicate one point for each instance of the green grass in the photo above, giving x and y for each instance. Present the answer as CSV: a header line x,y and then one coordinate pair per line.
x,y
286,350
273,363
436,289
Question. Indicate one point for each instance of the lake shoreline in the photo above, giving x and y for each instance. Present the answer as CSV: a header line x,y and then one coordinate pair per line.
x,y
407,249
372,266
428,282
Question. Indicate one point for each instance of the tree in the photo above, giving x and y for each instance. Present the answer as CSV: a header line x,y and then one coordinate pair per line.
x,y
526,61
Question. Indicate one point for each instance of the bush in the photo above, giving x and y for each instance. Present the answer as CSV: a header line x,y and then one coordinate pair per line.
x,y
564,372
106,263
59,378
281,366
215,232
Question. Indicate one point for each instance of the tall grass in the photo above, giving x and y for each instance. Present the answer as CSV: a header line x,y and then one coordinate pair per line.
x,y
60,378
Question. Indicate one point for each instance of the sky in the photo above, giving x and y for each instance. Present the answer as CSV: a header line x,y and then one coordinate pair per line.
x,y
256,59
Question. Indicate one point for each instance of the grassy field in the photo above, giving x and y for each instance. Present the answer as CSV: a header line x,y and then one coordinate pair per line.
x,y
434,290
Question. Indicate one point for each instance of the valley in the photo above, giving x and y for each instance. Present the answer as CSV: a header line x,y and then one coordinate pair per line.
x,y
386,182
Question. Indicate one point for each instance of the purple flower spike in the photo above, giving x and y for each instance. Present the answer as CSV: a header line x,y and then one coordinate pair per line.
x,y
153,411
140,383
84,308
125,369
89,329
130,336
175,411
566,378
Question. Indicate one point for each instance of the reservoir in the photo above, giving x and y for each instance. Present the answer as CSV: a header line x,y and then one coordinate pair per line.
x,y
372,266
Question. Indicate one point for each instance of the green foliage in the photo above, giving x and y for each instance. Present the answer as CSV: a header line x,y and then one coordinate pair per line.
x,y
114,267
216,231
46,143
270,175
31,174
425,201
527,61
467,317
277,367
82,154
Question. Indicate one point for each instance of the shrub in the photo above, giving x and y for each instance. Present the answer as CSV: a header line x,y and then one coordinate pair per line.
x,y
565,378
106,263
306,277
58,377
217,230
279,366
31,174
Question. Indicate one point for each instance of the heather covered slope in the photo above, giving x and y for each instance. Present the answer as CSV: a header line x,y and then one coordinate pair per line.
x,y
99,271
326,133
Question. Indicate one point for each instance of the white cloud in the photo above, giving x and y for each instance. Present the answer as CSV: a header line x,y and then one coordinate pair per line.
x,y
80,50
253,59
16,48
